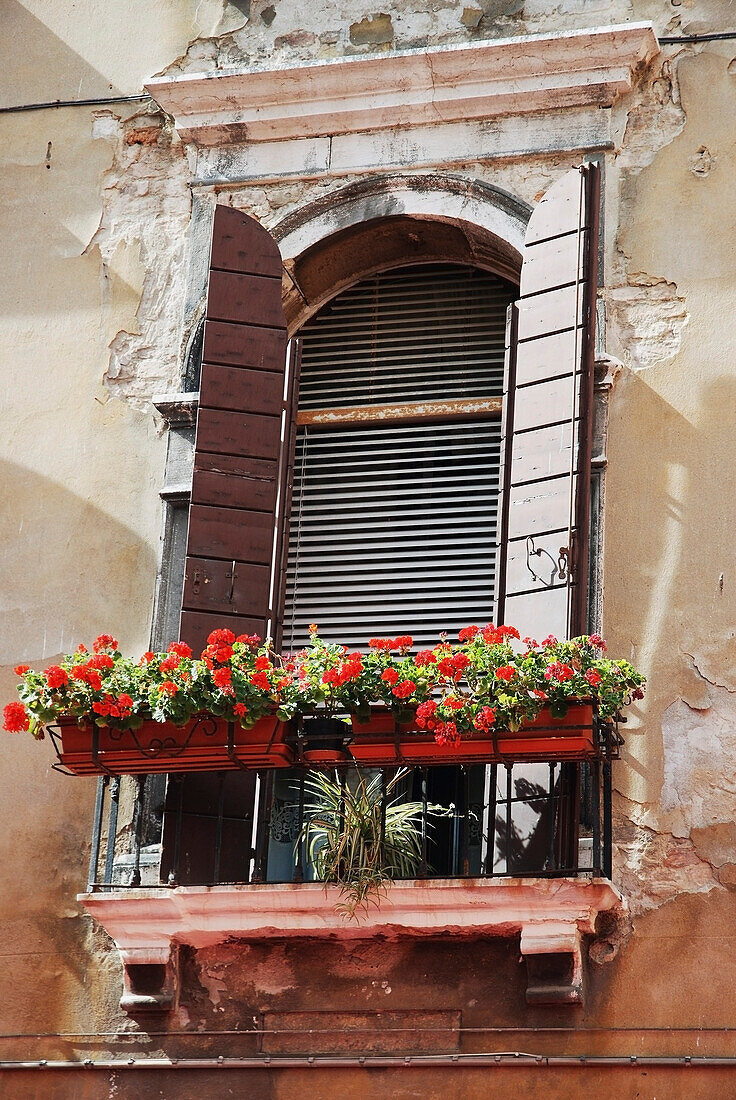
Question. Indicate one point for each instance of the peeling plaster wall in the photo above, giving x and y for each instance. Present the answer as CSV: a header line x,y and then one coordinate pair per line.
x,y
105,248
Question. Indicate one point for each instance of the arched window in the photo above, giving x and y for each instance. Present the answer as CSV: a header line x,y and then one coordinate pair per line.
x,y
395,489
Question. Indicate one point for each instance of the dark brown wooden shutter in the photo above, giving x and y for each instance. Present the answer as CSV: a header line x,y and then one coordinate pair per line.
x,y
242,438
547,435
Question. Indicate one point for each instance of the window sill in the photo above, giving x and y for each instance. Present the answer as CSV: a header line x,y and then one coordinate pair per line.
x,y
550,915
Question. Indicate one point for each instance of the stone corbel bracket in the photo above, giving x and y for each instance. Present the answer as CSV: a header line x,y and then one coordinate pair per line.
x,y
551,916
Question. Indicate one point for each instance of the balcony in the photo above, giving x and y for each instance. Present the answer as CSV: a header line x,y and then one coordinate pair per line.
x,y
517,849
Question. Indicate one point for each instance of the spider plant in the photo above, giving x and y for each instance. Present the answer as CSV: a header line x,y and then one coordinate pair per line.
x,y
352,842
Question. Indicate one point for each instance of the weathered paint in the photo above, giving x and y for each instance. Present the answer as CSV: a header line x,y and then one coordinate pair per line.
x,y
105,245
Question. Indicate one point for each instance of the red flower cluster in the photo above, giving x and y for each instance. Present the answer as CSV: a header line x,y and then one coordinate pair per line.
x,y
251,640
506,672
594,678
425,657
425,715
446,733
454,666
494,635
88,676
403,643
168,687
223,678
56,677
181,649
468,633
390,675
20,669
221,637
404,689
146,658
170,664
105,641
15,718
119,707
558,671
260,680
347,670
485,718
217,651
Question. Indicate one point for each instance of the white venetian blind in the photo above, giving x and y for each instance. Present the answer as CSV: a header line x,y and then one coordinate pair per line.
x,y
393,521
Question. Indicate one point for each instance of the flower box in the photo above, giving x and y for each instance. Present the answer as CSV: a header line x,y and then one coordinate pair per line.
x,y
379,742
206,743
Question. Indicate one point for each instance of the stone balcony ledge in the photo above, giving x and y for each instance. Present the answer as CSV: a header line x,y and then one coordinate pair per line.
x,y
550,915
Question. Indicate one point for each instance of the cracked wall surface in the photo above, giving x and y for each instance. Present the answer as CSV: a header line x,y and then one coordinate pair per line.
x,y
104,273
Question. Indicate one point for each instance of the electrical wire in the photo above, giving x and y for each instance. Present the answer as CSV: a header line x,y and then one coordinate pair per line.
x,y
102,101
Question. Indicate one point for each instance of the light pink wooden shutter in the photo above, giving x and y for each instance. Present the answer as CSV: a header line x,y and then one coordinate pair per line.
x,y
240,450
547,436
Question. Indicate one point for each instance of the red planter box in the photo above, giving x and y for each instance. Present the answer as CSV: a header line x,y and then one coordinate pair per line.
x,y
378,742
201,745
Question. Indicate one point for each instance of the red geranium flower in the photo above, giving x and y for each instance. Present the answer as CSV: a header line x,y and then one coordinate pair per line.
x,y
506,672
262,663
20,669
240,709
55,676
468,633
104,641
594,678
180,648
425,657
101,660
168,687
260,680
146,658
221,637
446,734
404,689
170,664
15,718
222,677
389,675
558,671
485,718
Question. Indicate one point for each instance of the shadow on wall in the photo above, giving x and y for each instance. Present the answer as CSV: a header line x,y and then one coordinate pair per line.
x,y
69,569
39,66
668,544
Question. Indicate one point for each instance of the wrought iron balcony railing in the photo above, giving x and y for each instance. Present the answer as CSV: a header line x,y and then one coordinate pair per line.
x,y
210,828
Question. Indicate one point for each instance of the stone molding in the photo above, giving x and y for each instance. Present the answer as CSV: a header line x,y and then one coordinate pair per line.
x,y
455,83
551,915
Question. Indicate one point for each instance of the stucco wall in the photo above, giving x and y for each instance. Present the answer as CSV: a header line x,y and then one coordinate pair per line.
x,y
104,255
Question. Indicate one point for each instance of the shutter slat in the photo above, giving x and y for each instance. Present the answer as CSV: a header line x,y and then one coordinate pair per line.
x,y
226,431
244,346
230,388
213,586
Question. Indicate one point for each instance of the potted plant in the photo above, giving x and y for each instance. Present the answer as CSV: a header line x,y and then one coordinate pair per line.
x,y
165,712
360,836
490,696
